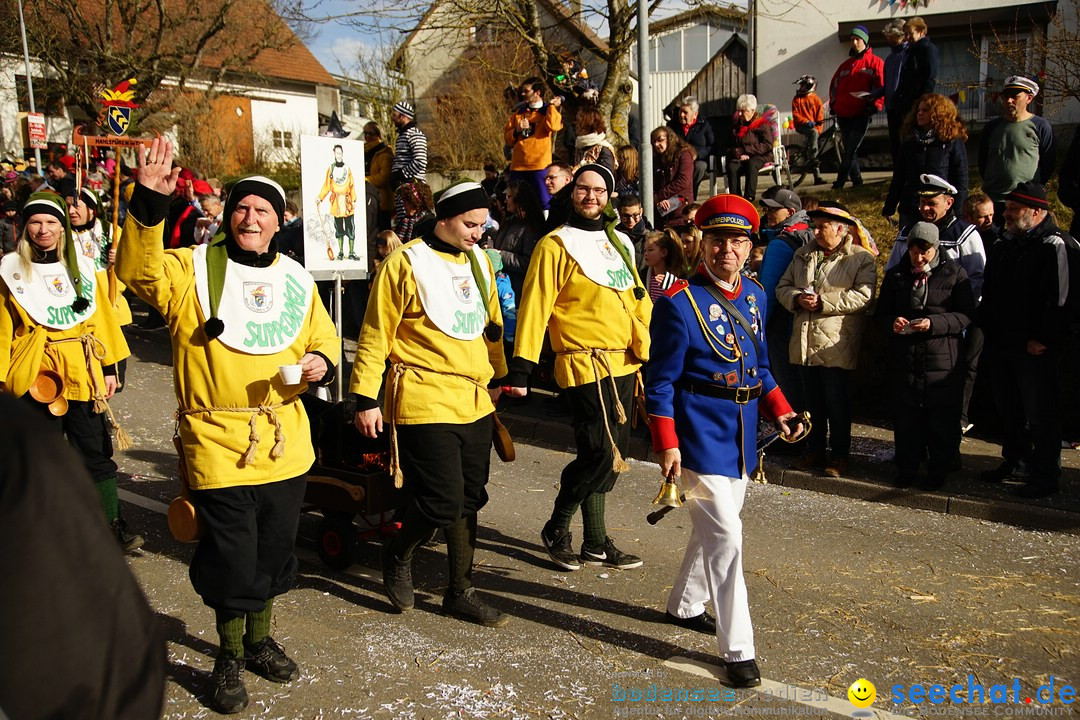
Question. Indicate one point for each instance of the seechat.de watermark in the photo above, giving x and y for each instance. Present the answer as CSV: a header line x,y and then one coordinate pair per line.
x,y
974,692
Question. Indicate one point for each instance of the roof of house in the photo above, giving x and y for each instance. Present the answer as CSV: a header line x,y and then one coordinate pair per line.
x,y
285,57
729,14
564,16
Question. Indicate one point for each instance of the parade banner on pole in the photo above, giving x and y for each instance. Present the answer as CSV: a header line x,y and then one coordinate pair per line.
x,y
118,104
333,206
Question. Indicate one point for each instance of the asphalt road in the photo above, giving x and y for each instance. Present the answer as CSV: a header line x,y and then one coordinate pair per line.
x,y
840,589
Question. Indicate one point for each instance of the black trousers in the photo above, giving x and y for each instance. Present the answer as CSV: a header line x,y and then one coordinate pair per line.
x,y
827,399
749,169
932,431
973,347
784,372
446,469
590,472
246,555
87,432
1028,402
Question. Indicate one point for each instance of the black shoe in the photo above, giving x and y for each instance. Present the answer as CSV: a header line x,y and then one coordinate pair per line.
x,y
703,623
933,481
607,555
341,256
352,256
267,659
856,183
838,186
1004,471
560,548
818,180
743,674
465,605
128,541
230,696
904,479
1033,489
397,581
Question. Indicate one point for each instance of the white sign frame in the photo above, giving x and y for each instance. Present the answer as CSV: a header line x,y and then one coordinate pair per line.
x,y
321,227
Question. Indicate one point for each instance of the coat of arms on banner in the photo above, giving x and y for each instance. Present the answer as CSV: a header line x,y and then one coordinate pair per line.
x,y
118,104
463,289
258,297
57,284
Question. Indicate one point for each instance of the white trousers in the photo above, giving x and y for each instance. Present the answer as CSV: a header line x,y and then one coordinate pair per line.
x,y
712,566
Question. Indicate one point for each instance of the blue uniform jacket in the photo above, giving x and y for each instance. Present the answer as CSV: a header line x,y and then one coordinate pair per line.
x,y
694,340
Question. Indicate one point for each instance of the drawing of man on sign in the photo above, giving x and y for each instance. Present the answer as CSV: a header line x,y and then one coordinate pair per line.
x,y
341,190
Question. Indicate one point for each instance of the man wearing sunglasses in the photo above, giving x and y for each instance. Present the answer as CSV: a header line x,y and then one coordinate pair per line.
x,y
529,132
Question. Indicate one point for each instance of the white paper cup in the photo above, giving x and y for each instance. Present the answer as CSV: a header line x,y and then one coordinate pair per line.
x,y
291,374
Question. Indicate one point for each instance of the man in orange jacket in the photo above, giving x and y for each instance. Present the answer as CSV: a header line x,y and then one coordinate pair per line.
x,y
529,132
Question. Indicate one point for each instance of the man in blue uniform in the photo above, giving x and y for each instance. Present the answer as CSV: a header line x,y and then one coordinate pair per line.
x,y
708,378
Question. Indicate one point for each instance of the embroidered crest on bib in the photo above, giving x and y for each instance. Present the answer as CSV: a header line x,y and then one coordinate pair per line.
x,y
463,289
258,296
57,284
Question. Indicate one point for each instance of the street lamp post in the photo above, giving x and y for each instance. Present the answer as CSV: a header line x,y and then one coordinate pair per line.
x,y
29,78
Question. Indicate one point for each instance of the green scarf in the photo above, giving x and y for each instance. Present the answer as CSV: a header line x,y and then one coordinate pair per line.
x,y
611,219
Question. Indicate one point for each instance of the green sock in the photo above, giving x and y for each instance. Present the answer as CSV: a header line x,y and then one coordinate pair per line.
x,y
231,634
258,623
561,516
592,514
110,502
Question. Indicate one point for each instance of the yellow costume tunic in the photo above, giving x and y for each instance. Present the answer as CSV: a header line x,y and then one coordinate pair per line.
x,y
26,347
209,374
448,384
94,245
581,315
339,186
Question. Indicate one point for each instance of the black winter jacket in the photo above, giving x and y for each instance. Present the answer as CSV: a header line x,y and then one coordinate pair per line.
x,y
947,160
926,368
1025,285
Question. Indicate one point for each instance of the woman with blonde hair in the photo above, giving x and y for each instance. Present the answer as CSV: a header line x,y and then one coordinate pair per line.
x,y
931,143
673,173
60,343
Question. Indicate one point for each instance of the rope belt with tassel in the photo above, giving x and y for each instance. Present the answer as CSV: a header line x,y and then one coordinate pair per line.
x,y
94,352
397,370
270,411
599,357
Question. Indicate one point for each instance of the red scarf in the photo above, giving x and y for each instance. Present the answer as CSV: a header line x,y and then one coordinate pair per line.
x,y
757,122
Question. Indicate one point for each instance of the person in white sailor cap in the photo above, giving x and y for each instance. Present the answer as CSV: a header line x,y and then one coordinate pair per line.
x,y
237,311
434,315
1016,147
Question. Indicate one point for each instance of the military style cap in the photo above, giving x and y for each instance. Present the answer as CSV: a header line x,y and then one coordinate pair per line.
x,y
727,212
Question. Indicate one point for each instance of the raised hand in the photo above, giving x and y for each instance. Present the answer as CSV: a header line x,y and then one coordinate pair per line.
x,y
155,167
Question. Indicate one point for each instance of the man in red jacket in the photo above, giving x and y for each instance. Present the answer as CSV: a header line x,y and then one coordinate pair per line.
x,y
850,99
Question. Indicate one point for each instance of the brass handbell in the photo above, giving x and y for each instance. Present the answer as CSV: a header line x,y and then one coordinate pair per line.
x,y
759,473
669,494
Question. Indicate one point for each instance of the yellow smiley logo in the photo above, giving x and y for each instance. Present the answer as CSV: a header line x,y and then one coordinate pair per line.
x,y
862,693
